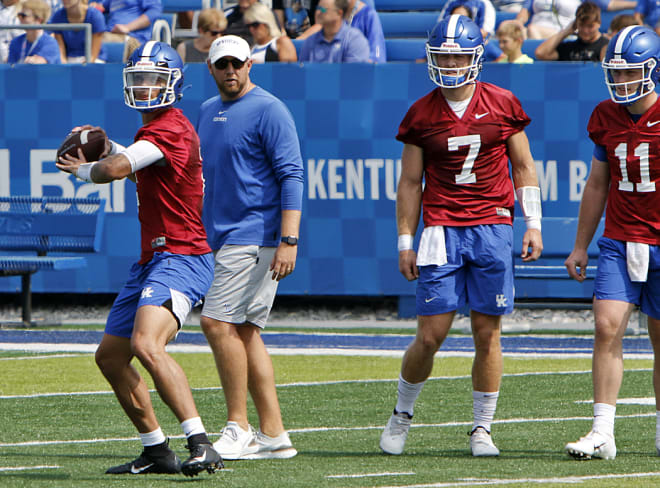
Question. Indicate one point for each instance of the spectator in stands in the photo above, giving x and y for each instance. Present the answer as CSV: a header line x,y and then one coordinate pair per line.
x,y
618,23
336,42
547,17
511,35
35,46
511,6
8,11
647,12
269,42
130,19
624,182
72,43
293,15
236,23
211,24
589,43
464,190
482,13
550,16
364,18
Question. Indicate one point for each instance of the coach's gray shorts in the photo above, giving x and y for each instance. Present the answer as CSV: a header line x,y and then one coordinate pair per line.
x,y
243,289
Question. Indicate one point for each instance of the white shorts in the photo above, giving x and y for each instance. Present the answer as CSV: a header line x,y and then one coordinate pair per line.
x,y
243,289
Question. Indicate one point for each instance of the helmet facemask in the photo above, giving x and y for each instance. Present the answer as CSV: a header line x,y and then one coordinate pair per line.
x,y
455,76
633,89
148,87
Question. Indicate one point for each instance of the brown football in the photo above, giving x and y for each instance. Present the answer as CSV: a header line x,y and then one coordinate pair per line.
x,y
92,142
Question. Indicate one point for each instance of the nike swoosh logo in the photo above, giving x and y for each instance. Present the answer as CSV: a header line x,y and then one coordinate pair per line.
x,y
651,124
478,116
427,300
135,470
596,448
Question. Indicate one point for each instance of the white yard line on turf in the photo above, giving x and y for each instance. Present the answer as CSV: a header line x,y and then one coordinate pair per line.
x,y
26,468
493,482
369,475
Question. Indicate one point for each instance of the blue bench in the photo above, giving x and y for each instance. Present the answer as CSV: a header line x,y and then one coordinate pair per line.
x,y
32,227
405,49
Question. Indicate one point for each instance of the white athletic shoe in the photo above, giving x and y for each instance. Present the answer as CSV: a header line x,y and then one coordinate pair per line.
x,y
395,433
481,443
234,442
279,447
594,444
657,446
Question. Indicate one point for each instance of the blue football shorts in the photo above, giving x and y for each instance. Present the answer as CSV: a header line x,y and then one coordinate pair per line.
x,y
478,273
174,281
613,283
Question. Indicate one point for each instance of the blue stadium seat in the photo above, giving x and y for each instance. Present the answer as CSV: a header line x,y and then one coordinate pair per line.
x,y
409,5
115,51
408,24
530,45
405,49
501,16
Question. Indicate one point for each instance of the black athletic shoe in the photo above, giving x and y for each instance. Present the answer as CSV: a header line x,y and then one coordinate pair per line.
x,y
167,463
202,457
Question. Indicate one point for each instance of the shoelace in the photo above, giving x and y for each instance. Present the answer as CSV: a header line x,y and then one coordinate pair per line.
x,y
399,426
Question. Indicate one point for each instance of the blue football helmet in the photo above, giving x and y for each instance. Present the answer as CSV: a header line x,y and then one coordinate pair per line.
x,y
153,77
634,47
455,34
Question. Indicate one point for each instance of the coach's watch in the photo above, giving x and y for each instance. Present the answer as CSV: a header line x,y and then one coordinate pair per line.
x,y
290,240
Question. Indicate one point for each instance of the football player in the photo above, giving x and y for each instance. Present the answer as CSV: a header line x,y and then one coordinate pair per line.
x,y
175,269
624,179
458,139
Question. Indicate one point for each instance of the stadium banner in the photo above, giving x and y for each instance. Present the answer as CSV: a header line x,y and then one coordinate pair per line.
x,y
347,117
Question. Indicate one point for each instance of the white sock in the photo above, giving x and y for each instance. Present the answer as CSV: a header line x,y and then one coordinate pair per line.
x,y
483,408
152,438
192,426
408,393
604,418
657,428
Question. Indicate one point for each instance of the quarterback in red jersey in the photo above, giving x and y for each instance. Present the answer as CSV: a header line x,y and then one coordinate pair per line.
x,y
458,140
175,269
625,179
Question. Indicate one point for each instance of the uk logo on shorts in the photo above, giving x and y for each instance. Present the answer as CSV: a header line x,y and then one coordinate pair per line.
x,y
147,292
501,301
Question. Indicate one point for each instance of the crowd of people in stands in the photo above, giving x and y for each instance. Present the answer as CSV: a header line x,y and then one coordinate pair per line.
x,y
326,31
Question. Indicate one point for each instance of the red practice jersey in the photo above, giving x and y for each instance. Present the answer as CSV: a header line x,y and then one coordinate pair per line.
x,y
466,163
170,191
633,157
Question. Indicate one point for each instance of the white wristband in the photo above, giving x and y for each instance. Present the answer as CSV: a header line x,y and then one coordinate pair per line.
x,y
85,172
116,148
405,242
529,199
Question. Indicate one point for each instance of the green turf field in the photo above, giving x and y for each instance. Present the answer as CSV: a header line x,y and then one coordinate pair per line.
x,y
61,427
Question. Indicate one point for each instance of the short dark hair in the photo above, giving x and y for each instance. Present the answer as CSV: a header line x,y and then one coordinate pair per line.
x,y
587,12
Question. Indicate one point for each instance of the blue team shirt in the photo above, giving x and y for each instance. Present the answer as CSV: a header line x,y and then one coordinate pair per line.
x,y
46,47
368,22
125,11
650,11
252,168
348,46
74,41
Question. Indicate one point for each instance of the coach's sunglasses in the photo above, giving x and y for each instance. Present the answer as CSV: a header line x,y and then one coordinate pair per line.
x,y
224,62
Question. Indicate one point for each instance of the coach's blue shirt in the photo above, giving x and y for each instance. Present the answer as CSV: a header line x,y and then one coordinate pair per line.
x,y
348,46
252,168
